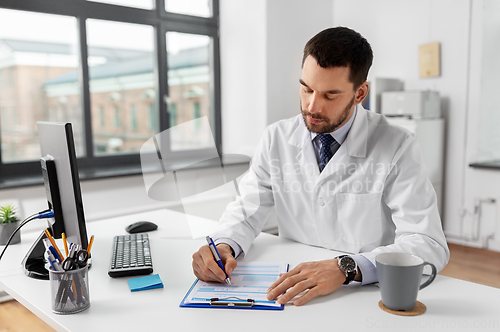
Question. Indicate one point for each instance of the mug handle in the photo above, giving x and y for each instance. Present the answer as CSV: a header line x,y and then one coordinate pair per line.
x,y
432,276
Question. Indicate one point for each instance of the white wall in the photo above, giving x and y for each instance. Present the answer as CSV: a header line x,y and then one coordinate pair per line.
x,y
290,24
261,52
395,29
243,74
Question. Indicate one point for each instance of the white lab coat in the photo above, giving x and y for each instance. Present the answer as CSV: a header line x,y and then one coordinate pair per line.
x,y
373,196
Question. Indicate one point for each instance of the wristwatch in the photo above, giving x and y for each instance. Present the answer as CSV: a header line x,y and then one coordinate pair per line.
x,y
348,265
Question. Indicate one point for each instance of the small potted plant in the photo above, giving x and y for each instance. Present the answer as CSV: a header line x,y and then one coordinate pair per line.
x,y
8,224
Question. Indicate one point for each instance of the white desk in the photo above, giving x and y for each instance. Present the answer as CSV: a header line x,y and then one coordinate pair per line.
x,y
451,304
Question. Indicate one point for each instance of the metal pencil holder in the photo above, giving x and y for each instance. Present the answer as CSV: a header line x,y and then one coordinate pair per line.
x,y
69,290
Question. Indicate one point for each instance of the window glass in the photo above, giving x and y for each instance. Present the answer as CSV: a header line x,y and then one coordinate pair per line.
x,y
189,80
152,117
197,114
202,8
38,59
121,69
101,117
173,114
117,117
144,4
489,113
133,118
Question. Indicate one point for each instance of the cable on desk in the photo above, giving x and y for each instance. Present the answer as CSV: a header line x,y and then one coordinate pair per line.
x,y
40,215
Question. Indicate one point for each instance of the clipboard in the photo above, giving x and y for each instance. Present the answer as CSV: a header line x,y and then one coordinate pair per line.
x,y
229,302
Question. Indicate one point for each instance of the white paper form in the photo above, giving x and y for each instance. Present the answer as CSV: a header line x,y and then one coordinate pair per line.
x,y
250,280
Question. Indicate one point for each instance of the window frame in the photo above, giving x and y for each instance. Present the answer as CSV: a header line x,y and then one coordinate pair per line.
x,y
91,166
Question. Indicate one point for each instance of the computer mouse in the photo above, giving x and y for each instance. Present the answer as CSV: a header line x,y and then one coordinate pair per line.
x,y
141,226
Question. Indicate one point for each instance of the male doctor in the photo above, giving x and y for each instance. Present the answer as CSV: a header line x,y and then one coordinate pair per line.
x,y
340,177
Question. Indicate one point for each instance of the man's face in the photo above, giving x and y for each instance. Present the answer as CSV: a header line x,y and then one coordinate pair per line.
x,y
327,97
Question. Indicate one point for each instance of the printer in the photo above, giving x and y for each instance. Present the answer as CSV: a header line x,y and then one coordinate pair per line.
x,y
411,104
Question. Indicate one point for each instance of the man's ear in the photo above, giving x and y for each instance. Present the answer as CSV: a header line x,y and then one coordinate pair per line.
x,y
361,92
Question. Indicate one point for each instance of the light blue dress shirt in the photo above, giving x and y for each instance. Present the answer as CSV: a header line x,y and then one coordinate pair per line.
x,y
368,270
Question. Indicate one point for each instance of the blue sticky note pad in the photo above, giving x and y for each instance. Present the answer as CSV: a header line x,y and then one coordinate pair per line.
x,y
145,283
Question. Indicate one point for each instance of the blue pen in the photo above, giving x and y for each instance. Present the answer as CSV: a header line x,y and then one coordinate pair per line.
x,y
55,254
212,246
51,249
53,262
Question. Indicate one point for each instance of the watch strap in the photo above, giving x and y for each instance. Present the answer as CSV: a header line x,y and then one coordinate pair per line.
x,y
350,277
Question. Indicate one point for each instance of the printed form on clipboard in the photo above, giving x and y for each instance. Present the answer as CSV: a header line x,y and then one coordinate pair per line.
x,y
249,284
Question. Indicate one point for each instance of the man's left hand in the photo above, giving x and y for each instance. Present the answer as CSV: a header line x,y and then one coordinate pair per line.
x,y
318,278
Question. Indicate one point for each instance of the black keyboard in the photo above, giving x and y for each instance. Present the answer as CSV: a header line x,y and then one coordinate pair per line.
x,y
131,256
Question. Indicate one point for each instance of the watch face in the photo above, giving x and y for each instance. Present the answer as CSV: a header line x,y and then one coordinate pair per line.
x,y
347,264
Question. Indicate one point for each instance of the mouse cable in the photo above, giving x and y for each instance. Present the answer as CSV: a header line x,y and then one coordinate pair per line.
x,y
40,215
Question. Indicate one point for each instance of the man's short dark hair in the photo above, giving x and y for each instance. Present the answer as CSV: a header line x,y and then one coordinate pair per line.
x,y
341,47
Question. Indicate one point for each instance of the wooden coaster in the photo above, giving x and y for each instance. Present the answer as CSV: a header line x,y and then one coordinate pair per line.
x,y
419,309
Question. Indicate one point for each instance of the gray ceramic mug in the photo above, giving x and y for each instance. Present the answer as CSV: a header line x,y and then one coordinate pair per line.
x,y
399,276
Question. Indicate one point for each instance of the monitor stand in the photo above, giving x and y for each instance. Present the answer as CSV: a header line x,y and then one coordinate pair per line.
x,y
34,261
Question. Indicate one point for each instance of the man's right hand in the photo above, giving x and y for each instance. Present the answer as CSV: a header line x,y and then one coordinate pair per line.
x,y
205,267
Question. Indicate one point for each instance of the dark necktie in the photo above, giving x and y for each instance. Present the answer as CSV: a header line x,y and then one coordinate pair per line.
x,y
326,150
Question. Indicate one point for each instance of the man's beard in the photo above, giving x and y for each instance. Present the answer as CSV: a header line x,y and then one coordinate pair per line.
x,y
326,126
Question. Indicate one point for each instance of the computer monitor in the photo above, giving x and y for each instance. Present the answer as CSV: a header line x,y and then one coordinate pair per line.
x,y
62,186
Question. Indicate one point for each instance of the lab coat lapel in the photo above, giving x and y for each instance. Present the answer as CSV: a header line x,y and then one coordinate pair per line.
x,y
306,157
357,138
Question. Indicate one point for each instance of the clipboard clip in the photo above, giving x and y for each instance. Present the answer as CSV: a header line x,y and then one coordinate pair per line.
x,y
216,302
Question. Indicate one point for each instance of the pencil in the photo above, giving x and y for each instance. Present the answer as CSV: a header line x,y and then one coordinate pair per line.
x,y
53,242
65,244
90,244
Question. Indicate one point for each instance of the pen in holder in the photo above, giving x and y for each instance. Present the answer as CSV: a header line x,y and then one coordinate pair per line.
x,y
69,290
